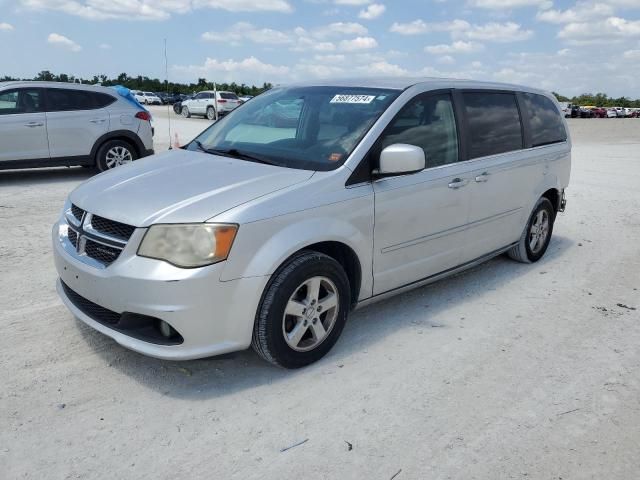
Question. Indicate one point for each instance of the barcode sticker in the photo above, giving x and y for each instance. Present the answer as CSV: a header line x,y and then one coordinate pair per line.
x,y
353,99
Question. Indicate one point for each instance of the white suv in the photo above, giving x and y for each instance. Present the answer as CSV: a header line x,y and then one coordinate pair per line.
x,y
50,124
206,104
147,98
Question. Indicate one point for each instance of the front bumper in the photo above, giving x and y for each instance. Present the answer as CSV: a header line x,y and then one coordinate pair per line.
x,y
212,316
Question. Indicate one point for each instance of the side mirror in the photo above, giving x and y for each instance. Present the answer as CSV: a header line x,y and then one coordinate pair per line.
x,y
400,158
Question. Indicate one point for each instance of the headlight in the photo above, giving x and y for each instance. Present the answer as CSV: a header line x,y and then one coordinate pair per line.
x,y
188,245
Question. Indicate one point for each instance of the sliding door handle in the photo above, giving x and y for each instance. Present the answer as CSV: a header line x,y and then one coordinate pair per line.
x,y
483,177
458,183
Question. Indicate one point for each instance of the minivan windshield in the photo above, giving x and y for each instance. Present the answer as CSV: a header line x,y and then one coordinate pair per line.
x,y
310,128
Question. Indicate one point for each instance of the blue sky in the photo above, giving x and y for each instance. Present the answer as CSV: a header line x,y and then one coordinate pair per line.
x,y
564,45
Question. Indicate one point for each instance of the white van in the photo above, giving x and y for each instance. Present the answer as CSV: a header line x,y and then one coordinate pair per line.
x,y
306,202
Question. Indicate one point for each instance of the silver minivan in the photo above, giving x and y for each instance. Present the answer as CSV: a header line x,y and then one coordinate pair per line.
x,y
305,203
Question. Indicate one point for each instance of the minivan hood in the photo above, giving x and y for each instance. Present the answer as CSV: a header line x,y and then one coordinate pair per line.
x,y
180,186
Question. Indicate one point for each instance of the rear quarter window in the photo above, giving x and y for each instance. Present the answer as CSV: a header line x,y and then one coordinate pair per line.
x,y
544,120
102,100
229,96
494,123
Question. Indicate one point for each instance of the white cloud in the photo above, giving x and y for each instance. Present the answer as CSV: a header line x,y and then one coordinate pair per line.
x,y
495,32
242,31
6,27
581,12
632,54
104,46
417,27
355,3
340,28
150,9
358,43
507,4
383,68
62,41
372,11
446,60
612,29
456,47
229,69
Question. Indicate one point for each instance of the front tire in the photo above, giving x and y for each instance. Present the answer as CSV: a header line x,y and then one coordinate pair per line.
x,y
115,153
536,235
303,311
185,112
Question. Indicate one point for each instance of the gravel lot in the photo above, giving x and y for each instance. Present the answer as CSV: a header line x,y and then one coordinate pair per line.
x,y
505,371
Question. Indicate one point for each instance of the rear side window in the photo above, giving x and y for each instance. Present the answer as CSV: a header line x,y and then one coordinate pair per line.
x,y
101,100
544,120
229,96
494,123
62,100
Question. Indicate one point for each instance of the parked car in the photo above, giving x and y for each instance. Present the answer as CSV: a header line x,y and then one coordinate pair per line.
x,y
48,124
245,98
599,112
208,103
264,235
177,106
611,113
575,111
565,107
586,113
620,112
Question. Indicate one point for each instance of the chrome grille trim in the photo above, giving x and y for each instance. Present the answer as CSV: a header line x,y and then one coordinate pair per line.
x,y
82,232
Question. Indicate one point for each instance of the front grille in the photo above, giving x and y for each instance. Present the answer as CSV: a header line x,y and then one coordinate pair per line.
x,y
96,312
112,228
77,212
73,237
102,253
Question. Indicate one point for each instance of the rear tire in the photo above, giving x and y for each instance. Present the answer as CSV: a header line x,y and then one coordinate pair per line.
x,y
536,235
185,112
211,113
303,311
114,153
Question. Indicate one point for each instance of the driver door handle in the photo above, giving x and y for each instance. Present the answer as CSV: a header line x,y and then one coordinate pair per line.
x,y
34,124
483,177
458,183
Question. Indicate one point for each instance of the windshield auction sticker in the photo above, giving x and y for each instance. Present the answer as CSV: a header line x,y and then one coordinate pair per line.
x,y
353,99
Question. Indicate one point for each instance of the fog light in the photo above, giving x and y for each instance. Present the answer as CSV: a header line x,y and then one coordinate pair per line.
x,y
166,330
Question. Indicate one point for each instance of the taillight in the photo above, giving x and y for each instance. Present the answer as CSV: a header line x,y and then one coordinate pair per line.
x,y
222,101
144,116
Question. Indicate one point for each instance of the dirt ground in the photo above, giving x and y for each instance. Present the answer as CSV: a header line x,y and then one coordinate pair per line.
x,y
505,371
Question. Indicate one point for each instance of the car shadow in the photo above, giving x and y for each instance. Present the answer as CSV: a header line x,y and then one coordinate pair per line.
x,y
45,175
226,374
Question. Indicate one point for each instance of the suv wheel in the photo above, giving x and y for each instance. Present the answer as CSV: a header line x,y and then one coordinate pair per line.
x,y
185,112
303,311
211,113
114,153
537,234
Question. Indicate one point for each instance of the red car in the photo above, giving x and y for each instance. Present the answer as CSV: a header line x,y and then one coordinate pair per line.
x,y
599,112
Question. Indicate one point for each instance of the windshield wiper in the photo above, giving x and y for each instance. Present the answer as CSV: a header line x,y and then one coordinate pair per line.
x,y
235,153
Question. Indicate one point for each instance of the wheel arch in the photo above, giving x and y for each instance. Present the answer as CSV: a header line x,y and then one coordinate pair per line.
x,y
125,135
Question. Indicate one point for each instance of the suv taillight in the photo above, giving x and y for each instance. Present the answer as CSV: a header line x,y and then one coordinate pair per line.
x,y
222,101
143,116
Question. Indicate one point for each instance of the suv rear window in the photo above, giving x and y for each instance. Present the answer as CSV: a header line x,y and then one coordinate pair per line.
x,y
544,120
63,100
494,123
228,96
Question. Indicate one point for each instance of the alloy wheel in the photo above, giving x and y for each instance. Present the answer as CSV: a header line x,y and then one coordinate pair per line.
x,y
310,314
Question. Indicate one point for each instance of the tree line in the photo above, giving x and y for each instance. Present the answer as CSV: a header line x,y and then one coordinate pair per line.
x,y
156,85
147,84
599,100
